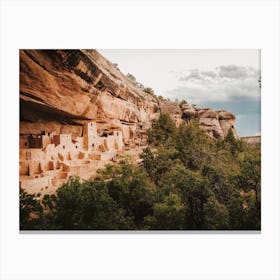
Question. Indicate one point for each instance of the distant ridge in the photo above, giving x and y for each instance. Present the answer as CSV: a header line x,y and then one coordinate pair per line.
x,y
252,140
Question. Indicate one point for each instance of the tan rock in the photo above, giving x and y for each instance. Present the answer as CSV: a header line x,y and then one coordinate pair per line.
x,y
79,84
225,115
211,125
188,112
208,114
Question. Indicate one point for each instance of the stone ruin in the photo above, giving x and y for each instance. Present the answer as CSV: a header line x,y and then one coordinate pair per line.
x,y
49,159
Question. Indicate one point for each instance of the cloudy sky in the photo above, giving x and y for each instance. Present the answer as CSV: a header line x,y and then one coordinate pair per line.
x,y
220,79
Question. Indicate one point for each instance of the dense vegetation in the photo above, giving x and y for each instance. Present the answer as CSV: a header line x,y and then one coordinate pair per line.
x,y
187,181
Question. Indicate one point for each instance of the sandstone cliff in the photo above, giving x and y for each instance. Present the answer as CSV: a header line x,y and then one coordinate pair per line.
x,y
62,89
59,90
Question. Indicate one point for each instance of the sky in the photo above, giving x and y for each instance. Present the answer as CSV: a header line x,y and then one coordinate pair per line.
x,y
219,79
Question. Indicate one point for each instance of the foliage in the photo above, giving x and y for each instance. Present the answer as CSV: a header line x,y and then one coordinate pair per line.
x,y
182,103
149,91
131,77
139,85
186,181
249,176
168,215
29,205
216,215
194,146
132,189
87,205
163,130
233,145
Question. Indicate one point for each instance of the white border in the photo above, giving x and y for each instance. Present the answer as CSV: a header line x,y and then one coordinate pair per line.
x,y
156,24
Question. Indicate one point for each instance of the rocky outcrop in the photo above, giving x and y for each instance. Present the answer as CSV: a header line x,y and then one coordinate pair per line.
x,y
171,108
62,89
188,112
215,123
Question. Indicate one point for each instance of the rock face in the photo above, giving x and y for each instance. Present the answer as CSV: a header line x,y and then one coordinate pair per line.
x,y
59,88
171,108
77,111
216,123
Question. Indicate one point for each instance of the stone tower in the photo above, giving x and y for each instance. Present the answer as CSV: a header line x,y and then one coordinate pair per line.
x,y
90,136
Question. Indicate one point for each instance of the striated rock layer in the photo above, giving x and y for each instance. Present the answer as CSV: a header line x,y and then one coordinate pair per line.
x,y
60,89
63,88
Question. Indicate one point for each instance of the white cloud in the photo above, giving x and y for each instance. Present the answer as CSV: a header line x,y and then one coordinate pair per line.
x,y
221,79
223,83
235,72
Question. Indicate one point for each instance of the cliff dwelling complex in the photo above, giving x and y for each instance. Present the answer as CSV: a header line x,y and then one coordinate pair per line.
x,y
49,159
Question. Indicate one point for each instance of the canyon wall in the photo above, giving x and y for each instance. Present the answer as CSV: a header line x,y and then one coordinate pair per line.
x,y
62,89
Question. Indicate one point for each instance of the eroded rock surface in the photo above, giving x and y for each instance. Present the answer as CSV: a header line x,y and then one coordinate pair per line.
x,y
216,123
66,87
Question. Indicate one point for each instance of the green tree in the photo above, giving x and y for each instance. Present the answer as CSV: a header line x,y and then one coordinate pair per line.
x,y
218,182
131,77
29,206
163,130
149,162
216,216
87,205
132,189
167,215
49,202
249,180
68,203
98,210
195,194
141,196
250,173
149,90
252,212
191,187
194,146
171,180
182,103
232,144
236,211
